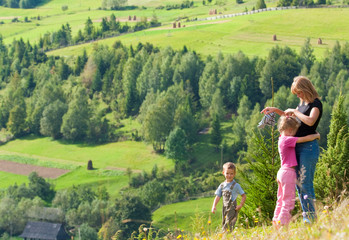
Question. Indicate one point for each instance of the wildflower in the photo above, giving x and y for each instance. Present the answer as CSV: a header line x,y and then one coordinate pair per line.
x,y
220,235
305,196
145,229
209,222
182,230
324,211
326,207
304,214
179,236
203,233
279,222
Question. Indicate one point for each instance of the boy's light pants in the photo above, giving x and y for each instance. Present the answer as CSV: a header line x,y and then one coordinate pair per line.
x,y
286,179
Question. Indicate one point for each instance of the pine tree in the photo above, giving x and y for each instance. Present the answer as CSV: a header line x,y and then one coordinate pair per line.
x,y
331,177
260,4
176,145
259,182
216,135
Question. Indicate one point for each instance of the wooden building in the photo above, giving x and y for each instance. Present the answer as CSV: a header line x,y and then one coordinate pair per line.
x,y
44,231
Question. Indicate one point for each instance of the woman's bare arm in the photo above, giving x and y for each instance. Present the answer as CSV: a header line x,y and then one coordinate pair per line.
x,y
272,109
308,120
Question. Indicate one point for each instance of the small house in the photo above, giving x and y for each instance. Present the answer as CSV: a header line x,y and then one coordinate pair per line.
x,y
44,231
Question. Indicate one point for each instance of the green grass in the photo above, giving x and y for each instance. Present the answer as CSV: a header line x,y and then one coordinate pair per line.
x,y
112,180
9,179
251,34
37,162
134,155
109,161
187,215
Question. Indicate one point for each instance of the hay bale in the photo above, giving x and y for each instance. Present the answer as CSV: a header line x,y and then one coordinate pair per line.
x,y
319,41
174,25
179,24
89,165
134,18
274,37
129,18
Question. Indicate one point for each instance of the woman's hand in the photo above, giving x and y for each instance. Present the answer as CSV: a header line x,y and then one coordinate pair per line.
x,y
290,112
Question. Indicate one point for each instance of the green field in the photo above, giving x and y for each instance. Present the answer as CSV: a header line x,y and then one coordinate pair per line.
x,y
251,34
109,161
188,215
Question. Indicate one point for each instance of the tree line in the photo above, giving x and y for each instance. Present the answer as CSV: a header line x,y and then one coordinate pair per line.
x,y
20,3
108,27
84,98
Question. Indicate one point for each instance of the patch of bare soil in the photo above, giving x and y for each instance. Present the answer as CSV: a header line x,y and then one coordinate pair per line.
x,y
26,169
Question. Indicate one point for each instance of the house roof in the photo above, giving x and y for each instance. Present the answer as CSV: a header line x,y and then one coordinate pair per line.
x,y
44,231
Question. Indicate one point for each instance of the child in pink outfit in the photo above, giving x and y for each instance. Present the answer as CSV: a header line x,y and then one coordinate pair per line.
x,y
286,176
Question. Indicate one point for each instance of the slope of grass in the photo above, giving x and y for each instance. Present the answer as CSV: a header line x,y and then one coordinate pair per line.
x,y
188,215
194,222
251,34
9,179
112,180
134,155
52,16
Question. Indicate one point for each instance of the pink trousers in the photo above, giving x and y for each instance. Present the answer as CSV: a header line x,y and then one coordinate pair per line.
x,y
286,179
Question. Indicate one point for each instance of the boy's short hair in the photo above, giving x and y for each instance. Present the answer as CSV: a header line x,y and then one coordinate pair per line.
x,y
229,165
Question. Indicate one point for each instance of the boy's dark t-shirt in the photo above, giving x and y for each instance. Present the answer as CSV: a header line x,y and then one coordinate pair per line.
x,y
304,129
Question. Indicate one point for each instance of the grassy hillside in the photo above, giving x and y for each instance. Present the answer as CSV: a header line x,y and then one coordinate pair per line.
x,y
109,160
52,15
188,215
251,34
332,223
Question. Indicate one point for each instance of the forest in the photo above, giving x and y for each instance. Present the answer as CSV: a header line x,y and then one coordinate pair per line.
x,y
174,95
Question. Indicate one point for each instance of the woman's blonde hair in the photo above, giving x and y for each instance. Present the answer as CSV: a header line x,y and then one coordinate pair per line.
x,y
286,122
304,85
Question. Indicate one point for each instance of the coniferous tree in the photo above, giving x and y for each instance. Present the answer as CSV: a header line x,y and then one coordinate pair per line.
x,y
307,57
331,177
16,122
216,134
260,4
75,121
88,30
263,163
176,145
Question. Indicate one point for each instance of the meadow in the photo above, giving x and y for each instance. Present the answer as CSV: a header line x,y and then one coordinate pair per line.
x,y
251,34
332,223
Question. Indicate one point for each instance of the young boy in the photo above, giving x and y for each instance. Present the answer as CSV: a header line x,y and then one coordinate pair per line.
x,y
229,189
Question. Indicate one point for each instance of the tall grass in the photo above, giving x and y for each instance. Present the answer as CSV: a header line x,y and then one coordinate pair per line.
x,y
332,223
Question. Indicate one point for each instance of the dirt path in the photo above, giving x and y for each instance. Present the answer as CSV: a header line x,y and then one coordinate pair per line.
x,y
26,169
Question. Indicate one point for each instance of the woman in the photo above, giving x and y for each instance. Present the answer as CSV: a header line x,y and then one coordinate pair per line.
x,y
309,112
